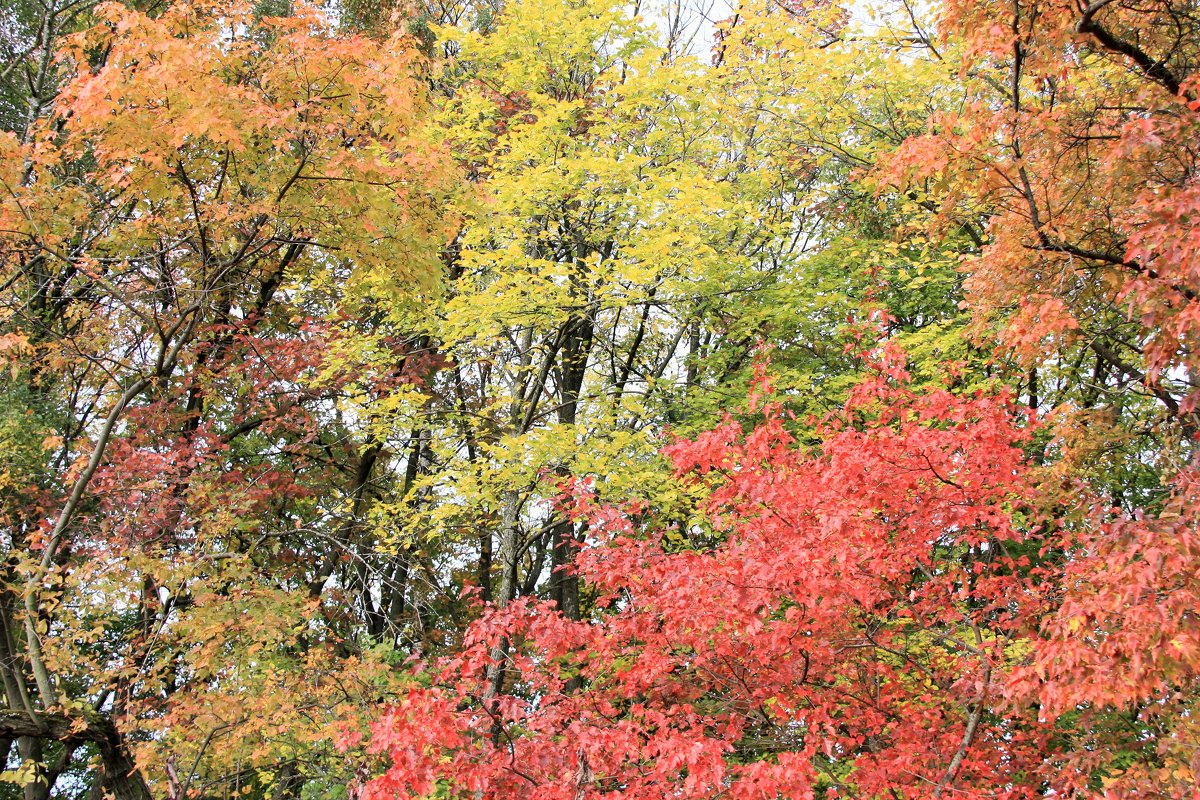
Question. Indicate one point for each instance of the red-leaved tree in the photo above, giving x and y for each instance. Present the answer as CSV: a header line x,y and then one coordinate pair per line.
x,y
887,614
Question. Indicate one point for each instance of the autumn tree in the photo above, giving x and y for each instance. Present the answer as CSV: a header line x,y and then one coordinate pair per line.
x,y
1076,146
1079,146
193,239
634,235
876,620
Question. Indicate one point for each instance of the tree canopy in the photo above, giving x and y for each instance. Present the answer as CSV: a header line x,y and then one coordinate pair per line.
x,y
584,400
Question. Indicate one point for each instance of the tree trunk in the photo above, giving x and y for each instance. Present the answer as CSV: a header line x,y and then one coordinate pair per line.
x,y
120,776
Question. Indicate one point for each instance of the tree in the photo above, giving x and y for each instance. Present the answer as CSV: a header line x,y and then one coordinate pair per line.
x,y
193,240
876,620
634,233
1077,143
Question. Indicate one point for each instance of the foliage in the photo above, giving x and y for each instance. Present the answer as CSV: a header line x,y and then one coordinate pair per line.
x,y
874,621
378,372
194,239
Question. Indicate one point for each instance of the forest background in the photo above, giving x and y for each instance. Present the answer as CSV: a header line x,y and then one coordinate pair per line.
x,y
575,399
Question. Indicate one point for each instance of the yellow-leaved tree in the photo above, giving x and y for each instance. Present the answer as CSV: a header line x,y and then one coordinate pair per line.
x,y
645,212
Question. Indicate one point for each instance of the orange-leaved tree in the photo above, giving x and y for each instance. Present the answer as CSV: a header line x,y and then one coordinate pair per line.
x,y
195,241
1076,144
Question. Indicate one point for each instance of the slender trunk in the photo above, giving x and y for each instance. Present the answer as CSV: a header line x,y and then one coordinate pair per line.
x,y
509,552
